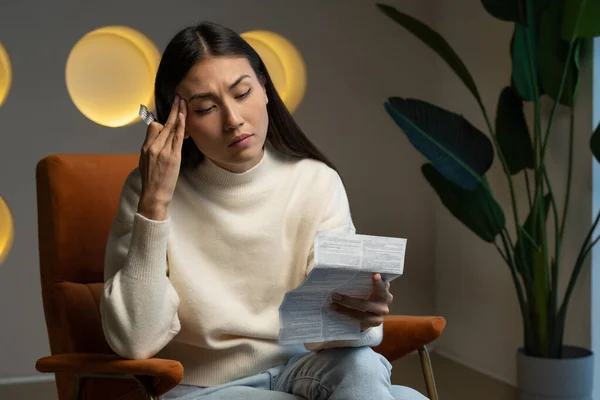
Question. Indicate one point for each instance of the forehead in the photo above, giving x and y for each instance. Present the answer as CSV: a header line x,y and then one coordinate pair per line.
x,y
214,72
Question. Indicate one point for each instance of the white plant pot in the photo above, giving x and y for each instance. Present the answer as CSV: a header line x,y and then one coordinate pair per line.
x,y
567,378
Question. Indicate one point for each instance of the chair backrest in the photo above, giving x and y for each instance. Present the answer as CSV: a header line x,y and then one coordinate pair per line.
x,y
77,200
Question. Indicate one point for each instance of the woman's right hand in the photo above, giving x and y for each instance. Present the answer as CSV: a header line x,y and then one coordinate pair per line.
x,y
160,161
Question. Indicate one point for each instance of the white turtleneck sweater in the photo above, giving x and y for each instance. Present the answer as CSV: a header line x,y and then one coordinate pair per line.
x,y
204,286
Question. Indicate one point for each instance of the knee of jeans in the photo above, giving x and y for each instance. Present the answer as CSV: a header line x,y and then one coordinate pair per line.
x,y
365,361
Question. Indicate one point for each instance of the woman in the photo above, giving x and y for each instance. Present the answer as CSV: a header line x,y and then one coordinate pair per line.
x,y
217,224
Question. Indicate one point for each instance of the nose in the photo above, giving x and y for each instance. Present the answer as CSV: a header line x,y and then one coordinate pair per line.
x,y
232,119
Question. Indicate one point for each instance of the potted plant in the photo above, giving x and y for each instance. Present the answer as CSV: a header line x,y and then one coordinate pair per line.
x,y
545,49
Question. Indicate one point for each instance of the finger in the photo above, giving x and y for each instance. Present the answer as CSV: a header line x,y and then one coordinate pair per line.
x,y
173,114
151,133
366,319
380,291
378,308
179,134
179,128
164,136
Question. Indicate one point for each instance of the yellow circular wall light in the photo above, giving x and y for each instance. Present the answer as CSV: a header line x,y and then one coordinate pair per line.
x,y
110,72
5,74
7,230
284,63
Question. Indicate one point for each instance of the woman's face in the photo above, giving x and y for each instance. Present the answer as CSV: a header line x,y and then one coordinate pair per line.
x,y
226,111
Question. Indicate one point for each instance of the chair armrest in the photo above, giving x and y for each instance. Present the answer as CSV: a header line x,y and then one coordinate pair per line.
x,y
165,374
404,334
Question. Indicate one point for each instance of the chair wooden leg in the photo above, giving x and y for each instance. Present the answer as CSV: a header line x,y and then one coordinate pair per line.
x,y
428,373
143,381
76,392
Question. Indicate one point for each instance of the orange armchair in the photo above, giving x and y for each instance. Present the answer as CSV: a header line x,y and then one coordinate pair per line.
x,y
77,199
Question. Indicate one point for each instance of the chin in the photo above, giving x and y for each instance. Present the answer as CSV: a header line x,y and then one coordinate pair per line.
x,y
247,154
244,157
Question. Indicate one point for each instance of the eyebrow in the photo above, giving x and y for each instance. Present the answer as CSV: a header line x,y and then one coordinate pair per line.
x,y
209,94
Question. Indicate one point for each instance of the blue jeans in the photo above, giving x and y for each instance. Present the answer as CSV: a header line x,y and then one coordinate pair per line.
x,y
333,374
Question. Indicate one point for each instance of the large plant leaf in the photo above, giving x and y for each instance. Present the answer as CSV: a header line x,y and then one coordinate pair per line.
x,y
506,10
476,209
457,149
523,51
436,42
589,22
514,140
595,143
540,6
553,53
521,75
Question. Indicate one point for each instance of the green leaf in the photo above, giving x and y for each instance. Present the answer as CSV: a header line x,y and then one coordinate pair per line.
x,y
531,240
540,6
523,46
553,52
513,136
506,10
521,76
476,209
436,42
589,22
595,143
458,150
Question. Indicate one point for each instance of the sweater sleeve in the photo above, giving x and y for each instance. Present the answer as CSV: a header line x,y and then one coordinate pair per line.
x,y
337,218
138,305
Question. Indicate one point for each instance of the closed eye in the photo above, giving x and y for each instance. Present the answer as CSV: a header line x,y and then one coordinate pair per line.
x,y
244,95
240,97
204,110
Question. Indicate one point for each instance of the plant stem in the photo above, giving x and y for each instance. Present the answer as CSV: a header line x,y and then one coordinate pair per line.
x,y
563,78
559,95
504,256
583,252
539,271
589,248
527,185
517,282
508,177
553,292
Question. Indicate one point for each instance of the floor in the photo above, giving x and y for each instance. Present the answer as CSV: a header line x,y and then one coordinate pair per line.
x,y
454,382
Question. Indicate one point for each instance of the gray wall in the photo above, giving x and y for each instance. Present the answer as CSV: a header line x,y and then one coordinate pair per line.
x,y
355,56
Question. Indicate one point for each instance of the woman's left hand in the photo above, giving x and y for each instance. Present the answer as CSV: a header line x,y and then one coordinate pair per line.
x,y
369,311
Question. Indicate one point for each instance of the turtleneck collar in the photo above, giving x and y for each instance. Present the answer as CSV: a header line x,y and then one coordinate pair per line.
x,y
209,177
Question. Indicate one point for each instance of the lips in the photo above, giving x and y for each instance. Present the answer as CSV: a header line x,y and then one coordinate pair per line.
x,y
239,138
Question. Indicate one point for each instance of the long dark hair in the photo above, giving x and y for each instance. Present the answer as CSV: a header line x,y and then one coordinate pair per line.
x,y
208,39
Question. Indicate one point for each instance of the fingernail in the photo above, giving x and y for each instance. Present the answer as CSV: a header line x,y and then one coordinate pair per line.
x,y
336,297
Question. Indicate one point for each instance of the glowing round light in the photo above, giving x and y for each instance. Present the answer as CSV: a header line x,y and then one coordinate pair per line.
x,y
110,72
284,63
5,74
7,230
